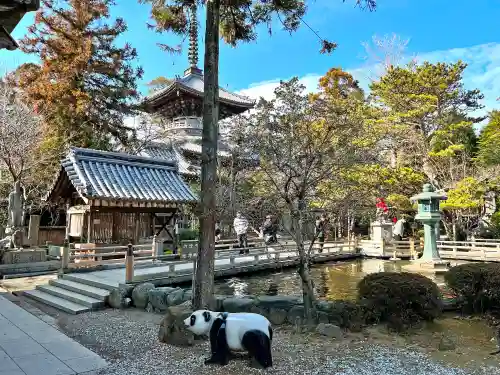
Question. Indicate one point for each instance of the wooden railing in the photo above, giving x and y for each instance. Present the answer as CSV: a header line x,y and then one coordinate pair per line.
x,y
470,250
392,249
132,256
231,258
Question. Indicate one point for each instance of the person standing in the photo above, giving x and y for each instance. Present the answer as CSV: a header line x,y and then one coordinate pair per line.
x,y
218,232
269,230
240,225
320,231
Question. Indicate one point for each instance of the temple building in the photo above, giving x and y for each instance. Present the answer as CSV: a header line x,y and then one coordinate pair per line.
x,y
180,108
11,13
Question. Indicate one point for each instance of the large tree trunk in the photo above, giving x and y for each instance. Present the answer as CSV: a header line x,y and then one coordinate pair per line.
x,y
204,273
303,268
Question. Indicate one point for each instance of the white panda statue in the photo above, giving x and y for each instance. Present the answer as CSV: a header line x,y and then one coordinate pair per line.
x,y
233,332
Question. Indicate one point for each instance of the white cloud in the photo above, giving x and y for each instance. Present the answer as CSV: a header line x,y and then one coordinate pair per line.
x,y
483,73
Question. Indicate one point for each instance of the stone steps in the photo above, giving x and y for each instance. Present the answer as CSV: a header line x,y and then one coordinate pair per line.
x,y
86,290
91,281
73,294
57,302
68,295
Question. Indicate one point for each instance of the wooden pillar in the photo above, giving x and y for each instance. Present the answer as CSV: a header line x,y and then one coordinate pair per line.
x,y
33,229
90,224
68,222
137,227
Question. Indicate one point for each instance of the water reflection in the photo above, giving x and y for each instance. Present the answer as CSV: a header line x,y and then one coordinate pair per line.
x,y
336,280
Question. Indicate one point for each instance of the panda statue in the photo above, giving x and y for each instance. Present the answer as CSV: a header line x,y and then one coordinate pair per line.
x,y
233,332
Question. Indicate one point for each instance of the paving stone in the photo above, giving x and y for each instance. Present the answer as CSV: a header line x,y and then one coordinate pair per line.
x,y
43,364
47,335
86,363
22,347
65,350
7,365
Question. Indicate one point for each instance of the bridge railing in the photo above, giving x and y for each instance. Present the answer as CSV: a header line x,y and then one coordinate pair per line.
x,y
233,258
137,256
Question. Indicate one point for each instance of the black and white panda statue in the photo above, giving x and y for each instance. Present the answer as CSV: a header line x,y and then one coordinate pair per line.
x,y
233,332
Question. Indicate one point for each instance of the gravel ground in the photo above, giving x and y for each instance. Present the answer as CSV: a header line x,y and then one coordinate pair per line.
x,y
128,340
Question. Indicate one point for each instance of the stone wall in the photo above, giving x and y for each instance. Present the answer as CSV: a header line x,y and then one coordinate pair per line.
x,y
278,309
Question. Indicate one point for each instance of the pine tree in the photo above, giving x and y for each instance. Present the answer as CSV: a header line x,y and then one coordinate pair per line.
x,y
489,142
84,83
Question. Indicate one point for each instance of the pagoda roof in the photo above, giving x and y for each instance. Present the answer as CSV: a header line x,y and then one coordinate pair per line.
x,y
192,84
95,174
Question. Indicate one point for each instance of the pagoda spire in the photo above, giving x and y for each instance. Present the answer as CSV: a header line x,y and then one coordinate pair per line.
x,y
193,37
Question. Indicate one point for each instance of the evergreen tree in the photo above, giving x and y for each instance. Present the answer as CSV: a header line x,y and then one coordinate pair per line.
x,y
84,83
489,142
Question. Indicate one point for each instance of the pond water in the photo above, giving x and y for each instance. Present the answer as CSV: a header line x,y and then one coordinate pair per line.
x,y
338,280
335,280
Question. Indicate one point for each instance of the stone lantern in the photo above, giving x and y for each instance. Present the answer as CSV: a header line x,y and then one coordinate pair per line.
x,y
429,214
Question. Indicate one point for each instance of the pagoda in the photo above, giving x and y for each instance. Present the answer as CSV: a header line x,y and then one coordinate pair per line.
x,y
180,107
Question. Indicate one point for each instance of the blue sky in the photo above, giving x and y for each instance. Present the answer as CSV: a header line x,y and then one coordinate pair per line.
x,y
438,30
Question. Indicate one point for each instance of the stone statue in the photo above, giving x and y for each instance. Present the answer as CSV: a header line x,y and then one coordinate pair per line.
x,y
16,207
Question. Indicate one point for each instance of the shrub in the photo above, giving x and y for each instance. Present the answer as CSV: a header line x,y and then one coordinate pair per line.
x,y
401,300
188,235
477,285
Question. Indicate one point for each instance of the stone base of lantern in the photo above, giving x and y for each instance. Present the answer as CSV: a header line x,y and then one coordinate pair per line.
x,y
428,266
381,231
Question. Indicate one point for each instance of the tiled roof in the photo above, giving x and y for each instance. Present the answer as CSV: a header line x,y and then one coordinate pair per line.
x,y
167,151
194,83
119,176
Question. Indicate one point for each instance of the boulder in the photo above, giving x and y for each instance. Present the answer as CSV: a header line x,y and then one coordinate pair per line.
x,y
235,304
278,302
140,295
296,315
118,296
172,329
325,306
175,298
323,317
277,316
188,295
158,297
447,343
329,330
217,302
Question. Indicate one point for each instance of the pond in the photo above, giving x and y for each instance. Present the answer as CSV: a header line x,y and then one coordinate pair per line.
x,y
338,280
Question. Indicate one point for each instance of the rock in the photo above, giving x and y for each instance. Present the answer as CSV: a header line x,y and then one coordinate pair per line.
x,y
172,329
188,295
329,330
278,302
217,302
447,343
150,308
325,306
323,317
118,296
296,315
140,295
175,298
235,304
277,316
257,310
158,297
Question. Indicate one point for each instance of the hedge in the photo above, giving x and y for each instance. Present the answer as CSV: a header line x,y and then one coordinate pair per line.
x,y
401,300
477,286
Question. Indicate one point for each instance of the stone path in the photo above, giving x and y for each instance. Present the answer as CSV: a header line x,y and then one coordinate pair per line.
x,y
29,346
